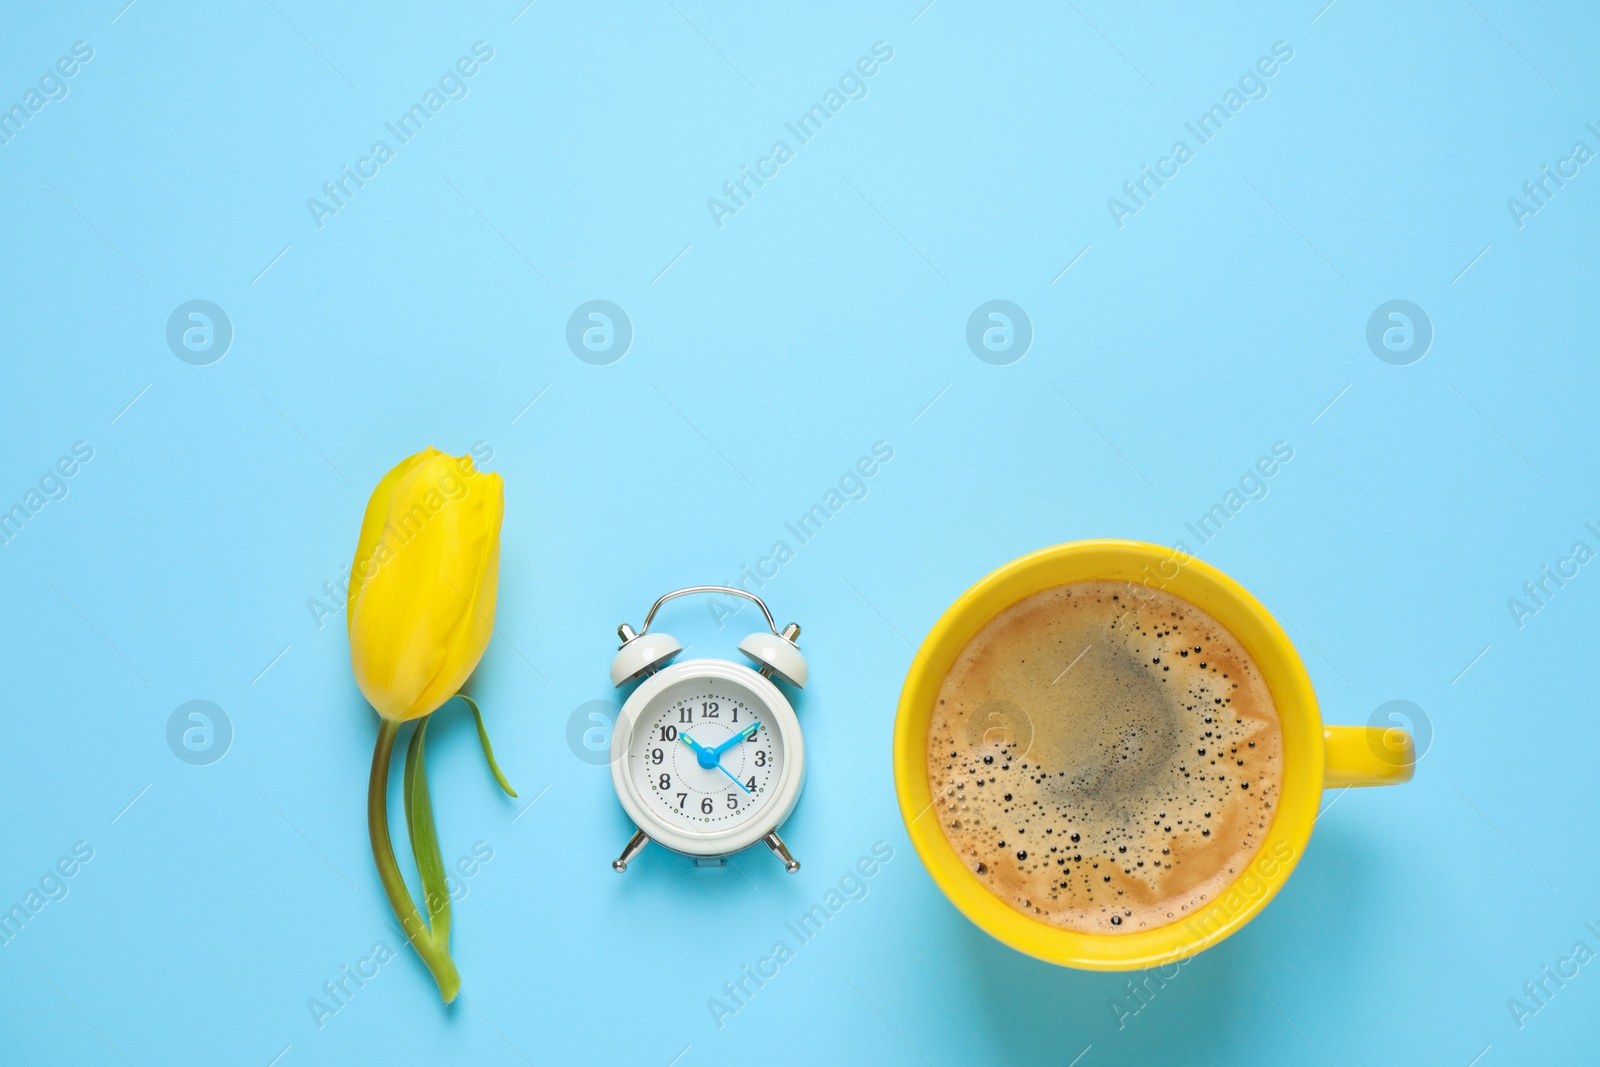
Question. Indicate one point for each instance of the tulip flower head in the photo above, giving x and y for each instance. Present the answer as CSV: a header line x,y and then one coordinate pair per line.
x,y
422,588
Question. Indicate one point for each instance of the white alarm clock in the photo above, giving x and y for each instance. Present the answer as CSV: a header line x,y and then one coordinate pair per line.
x,y
706,755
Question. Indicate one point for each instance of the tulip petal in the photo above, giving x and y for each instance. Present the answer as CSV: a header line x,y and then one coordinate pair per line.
x,y
471,578
425,839
372,523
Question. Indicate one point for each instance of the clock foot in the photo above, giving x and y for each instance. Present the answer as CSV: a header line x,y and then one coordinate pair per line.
x,y
780,850
635,846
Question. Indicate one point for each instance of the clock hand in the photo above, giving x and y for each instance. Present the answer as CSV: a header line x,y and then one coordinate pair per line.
x,y
742,735
730,774
704,756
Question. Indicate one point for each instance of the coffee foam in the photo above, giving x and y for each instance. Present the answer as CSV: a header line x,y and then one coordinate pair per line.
x,y
1105,757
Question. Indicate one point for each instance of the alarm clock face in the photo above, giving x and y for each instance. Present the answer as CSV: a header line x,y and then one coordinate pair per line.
x,y
711,724
711,757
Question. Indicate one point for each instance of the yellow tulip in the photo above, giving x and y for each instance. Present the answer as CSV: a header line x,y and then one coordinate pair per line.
x,y
420,613
422,588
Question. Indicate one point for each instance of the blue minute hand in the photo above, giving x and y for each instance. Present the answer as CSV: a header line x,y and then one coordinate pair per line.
x,y
742,735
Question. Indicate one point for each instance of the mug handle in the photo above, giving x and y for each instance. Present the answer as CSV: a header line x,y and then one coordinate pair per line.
x,y
1367,755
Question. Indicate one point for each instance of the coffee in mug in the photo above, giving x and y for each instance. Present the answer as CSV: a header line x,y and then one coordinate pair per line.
x,y
1105,757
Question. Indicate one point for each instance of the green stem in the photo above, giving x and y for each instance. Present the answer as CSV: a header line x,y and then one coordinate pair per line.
x,y
436,956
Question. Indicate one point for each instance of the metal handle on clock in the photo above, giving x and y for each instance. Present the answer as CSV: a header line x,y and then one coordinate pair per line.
x,y
726,590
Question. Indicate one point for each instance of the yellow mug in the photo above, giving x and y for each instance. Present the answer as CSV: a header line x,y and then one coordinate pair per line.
x,y
1315,756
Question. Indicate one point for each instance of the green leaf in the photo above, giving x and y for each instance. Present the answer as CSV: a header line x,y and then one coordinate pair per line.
x,y
425,839
488,750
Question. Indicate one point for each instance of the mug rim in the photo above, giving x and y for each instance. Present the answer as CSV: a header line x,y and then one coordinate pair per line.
x,y
1286,678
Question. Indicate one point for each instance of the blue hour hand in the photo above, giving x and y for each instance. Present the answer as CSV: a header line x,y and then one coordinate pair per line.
x,y
705,756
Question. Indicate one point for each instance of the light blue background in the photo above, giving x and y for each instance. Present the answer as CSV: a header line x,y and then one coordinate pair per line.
x,y
768,355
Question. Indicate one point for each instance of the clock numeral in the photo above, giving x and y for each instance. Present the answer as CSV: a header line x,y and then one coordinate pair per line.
x,y
681,798
655,755
733,800
669,733
706,806
750,783
735,714
666,782
761,758
708,710
686,714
